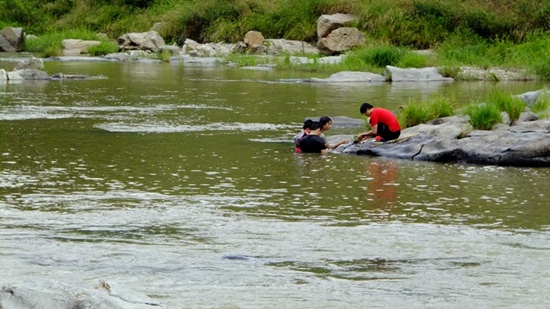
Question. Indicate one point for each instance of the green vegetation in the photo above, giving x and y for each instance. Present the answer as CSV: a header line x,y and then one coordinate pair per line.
x,y
542,106
507,103
379,56
493,33
419,111
416,24
103,48
483,116
49,44
245,60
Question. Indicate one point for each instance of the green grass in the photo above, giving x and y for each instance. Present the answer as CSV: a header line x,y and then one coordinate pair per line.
x,y
533,53
414,113
50,43
103,48
507,34
483,116
418,111
542,106
416,24
164,55
505,102
243,60
413,60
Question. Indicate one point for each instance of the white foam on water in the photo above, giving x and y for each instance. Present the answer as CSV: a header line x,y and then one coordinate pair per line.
x,y
24,112
169,128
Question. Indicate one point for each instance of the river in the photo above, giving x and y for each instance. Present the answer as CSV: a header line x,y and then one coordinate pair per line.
x,y
180,182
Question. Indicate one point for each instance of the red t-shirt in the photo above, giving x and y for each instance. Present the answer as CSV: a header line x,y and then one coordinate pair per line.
x,y
380,115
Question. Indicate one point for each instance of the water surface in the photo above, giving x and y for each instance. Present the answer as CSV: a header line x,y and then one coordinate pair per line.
x,y
180,182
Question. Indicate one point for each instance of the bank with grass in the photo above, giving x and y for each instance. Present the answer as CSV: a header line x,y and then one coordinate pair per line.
x,y
505,34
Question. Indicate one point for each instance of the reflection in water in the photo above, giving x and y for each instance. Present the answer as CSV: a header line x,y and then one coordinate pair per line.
x,y
383,186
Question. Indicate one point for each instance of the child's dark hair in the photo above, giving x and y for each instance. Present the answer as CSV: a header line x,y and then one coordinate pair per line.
x,y
307,124
316,125
364,107
324,120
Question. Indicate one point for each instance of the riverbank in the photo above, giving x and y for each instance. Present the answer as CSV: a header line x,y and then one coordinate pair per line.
x,y
469,34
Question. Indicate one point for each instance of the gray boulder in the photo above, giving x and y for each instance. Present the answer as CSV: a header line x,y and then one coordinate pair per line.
x,y
33,63
11,39
340,40
28,74
532,96
195,49
429,74
335,34
279,46
327,23
75,47
31,70
350,76
149,41
253,38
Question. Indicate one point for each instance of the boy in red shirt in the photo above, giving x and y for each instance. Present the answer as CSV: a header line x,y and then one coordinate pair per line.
x,y
383,123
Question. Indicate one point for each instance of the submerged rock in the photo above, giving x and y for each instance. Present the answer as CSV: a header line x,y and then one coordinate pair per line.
x,y
44,293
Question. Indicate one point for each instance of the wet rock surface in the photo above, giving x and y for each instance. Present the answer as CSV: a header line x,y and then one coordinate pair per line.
x,y
451,139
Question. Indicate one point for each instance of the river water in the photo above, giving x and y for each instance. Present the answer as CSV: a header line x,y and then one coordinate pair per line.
x,y
180,182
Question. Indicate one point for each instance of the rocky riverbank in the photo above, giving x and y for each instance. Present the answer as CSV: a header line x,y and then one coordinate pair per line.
x,y
525,142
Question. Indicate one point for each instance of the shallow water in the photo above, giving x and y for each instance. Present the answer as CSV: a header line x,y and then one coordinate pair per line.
x,y
181,183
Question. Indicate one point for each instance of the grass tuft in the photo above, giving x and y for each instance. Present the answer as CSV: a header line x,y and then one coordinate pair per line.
x,y
483,116
416,111
542,106
103,48
507,103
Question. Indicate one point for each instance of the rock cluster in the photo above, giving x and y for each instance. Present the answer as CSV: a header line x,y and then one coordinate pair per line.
x,y
31,69
335,35
525,142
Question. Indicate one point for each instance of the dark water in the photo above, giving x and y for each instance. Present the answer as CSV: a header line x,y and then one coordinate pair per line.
x,y
180,182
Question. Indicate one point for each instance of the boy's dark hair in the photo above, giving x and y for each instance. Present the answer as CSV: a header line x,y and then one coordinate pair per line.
x,y
324,120
364,107
307,124
316,125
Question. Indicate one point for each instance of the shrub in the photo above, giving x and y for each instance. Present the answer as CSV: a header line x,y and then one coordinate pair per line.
x,y
442,106
416,112
413,113
413,60
483,116
450,71
103,48
27,14
385,55
52,51
506,103
379,56
542,69
463,47
51,42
